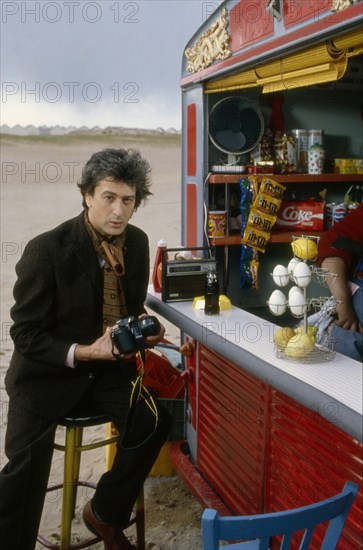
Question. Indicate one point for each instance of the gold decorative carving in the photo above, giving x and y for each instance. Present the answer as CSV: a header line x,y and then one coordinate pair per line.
x,y
212,45
340,5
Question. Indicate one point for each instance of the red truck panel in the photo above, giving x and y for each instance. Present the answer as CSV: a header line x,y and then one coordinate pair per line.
x,y
309,459
231,432
296,11
249,22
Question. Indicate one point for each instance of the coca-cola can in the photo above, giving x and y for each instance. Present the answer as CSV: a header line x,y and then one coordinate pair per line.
x,y
339,211
328,214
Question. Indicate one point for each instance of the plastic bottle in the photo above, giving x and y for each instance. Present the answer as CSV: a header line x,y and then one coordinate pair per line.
x,y
156,279
211,294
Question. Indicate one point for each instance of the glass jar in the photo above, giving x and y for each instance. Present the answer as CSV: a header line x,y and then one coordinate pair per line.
x,y
285,153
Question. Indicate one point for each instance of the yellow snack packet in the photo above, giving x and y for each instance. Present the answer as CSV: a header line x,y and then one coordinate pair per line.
x,y
272,188
264,222
267,204
255,238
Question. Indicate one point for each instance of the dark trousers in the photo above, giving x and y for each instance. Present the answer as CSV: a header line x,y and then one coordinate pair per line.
x,y
29,448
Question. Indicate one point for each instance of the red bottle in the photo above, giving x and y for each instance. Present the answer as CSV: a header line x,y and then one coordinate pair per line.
x,y
156,279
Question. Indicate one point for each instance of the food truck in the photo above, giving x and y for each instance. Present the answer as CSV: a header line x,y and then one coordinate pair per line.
x,y
272,106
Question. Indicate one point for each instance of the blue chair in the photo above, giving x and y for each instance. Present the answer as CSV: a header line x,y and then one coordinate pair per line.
x,y
257,530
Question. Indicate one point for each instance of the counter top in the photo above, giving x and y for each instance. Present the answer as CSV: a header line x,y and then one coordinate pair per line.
x,y
332,388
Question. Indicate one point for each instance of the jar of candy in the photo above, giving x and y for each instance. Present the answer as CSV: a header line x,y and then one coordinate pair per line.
x,y
264,151
302,146
285,153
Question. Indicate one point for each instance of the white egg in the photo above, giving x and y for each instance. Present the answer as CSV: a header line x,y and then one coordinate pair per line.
x,y
295,289
291,265
280,275
277,302
297,304
302,274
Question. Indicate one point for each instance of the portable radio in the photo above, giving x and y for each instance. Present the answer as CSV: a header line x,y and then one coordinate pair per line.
x,y
184,279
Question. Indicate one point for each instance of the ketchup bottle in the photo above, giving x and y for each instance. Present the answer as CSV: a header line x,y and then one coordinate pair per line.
x,y
156,278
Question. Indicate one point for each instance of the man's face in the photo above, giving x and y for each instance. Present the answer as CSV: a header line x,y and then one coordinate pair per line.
x,y
111,206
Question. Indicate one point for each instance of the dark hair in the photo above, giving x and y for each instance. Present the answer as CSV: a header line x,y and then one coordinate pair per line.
x,y
125,165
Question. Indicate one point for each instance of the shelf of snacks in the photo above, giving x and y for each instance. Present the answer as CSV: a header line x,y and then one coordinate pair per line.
x,y
276,237
290,178
272,218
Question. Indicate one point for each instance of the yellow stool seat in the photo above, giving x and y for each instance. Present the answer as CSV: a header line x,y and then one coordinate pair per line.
x,y
72,449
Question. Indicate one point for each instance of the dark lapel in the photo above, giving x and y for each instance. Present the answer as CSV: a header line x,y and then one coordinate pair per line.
x,y
85,252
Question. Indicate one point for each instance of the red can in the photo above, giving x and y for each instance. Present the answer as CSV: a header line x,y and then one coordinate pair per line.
x,y
339,211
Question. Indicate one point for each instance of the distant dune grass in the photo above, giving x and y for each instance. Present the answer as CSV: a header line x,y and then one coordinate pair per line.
x,y
124,138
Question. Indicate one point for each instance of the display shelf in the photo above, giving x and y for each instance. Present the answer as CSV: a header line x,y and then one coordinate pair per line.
x,y
280,236
230,240
276,237
286,236
290,178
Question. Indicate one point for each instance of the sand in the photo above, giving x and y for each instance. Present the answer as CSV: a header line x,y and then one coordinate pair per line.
x,y
39,176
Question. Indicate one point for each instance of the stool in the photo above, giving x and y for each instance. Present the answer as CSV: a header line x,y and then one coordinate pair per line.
x,y
72,458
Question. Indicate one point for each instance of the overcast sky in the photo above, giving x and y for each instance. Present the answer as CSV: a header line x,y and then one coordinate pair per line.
x,y
96,63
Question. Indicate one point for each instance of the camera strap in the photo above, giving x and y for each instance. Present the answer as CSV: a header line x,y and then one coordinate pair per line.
x,y
139,391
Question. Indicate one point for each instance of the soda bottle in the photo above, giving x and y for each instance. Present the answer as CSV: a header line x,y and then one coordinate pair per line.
x,y
156,278
211,294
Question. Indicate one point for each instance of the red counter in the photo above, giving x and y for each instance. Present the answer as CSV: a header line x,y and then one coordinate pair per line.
x,y
266,436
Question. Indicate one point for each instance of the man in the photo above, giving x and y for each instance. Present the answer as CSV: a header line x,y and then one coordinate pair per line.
x,y
340,252
74,282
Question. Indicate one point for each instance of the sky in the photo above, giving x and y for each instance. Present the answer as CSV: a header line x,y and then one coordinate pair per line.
x,y
101,63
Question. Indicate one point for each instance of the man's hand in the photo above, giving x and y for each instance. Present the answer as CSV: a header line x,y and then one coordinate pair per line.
x,y
340,289
100,350
151,341
347,318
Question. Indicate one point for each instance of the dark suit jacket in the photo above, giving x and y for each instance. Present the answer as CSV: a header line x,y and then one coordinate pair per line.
x,y
58,301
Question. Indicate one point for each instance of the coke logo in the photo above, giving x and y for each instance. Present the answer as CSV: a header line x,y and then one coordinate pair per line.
x,y
291,214
299,215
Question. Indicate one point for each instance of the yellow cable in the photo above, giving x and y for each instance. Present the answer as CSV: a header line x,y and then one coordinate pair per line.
x,y
141,388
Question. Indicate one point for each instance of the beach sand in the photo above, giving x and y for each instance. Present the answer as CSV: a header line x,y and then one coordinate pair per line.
x,y
39,191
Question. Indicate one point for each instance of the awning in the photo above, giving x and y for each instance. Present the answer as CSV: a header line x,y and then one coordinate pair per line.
x,y
315,65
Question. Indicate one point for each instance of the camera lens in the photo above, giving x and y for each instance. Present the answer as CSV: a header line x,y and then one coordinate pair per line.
x,y
150,326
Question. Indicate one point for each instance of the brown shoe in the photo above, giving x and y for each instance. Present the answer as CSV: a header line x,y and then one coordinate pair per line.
x,y
113,537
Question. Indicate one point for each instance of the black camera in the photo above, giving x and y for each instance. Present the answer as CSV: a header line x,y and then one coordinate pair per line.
x,y
130,334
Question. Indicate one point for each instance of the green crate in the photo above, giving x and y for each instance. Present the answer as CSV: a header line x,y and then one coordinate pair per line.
x,y
175,407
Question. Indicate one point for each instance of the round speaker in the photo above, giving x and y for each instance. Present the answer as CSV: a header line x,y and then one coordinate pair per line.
x,y
236,125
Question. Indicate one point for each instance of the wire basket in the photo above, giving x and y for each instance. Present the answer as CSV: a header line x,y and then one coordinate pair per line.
x,y
305,247
320,275
319,354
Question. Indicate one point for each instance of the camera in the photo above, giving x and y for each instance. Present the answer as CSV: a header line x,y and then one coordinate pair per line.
x,y
131,332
